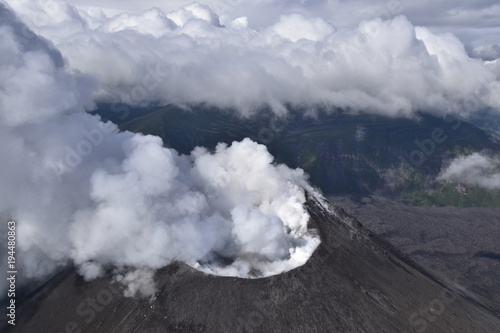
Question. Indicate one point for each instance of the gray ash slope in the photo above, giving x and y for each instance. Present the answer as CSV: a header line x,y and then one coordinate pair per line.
x,y
354,282
449,241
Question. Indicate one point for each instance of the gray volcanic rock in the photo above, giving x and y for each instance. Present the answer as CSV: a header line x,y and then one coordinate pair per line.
x,y
354,282
448,241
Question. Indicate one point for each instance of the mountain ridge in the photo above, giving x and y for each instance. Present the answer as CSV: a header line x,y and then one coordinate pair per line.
x,y
344,153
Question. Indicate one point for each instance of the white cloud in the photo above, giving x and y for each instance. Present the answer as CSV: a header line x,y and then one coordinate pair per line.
x,y
152,22
195,11
33,76
476,170
296,26
389,67
82,192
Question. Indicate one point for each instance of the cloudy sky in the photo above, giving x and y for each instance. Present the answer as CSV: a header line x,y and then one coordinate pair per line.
x,y
393,58
84,193
475,22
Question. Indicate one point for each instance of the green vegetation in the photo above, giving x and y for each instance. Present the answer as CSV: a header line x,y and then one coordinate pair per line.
x,y
343,153
454,194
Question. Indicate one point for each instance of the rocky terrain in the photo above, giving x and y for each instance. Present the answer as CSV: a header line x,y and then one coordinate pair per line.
x,y
354,282
455,242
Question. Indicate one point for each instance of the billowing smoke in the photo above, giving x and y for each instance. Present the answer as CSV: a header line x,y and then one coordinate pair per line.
x,y
190,56
84,193
476,170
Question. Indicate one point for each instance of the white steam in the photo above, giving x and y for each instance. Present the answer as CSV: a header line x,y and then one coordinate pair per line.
x,y
82,192
157,207
475,170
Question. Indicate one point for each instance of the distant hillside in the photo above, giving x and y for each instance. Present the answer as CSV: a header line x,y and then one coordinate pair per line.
x,y
344,153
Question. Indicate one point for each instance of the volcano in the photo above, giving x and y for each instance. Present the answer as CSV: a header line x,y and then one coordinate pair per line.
x,y
354,282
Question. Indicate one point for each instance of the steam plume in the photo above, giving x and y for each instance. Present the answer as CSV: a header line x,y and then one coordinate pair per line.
x,y
82,192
